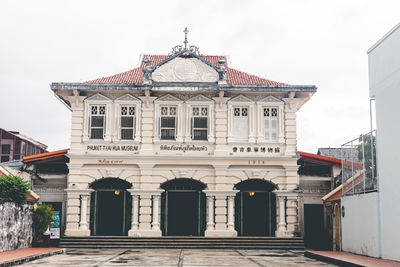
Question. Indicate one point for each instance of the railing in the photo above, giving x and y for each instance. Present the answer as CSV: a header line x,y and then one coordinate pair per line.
x,y
359,165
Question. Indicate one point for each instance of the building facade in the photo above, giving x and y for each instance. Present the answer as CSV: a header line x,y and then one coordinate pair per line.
x,y
183,145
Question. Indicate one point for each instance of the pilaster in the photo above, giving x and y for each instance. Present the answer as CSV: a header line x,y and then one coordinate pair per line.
x,y
77,212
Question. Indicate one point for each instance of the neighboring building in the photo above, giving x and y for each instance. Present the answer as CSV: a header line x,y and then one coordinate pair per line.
x,y
183,145
15,146
349,154
384,81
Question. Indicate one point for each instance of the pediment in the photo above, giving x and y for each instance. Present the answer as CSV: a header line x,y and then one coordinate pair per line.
x,y
270,99
97,97
127,97
185,69
200,98
168,98
240,98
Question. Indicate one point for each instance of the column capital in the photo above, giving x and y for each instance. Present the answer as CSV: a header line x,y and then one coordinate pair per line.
x,y
82,192
221,193
287,193
140,192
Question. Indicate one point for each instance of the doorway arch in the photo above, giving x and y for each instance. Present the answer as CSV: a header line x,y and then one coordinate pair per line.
x,y
255,208
110,206
183,208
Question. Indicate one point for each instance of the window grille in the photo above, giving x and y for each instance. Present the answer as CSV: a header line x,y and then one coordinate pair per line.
x,y
168,123
97,122
127,123
270,124
240,123
200,123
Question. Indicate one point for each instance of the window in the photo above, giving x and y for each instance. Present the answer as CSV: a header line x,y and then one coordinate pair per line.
x,y
199,123
168,123
5,151
127,123
240,123
271,124
97,121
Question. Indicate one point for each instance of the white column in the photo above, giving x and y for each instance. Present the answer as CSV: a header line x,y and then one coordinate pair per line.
x,y
155,225
83,225
210,223
135,212
282,214
231,213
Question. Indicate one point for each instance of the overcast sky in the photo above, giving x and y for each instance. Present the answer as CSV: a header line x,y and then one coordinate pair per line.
x,y
320,43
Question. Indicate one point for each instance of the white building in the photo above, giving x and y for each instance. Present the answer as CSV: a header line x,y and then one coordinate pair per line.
x,y
384,80
183,145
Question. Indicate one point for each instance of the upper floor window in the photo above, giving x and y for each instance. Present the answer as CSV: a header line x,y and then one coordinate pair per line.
x,y
240,123
127,124
271,124
200,123
168,123
97,121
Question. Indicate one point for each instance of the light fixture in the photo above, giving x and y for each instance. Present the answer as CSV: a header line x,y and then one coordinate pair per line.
x,y
251,194
116,192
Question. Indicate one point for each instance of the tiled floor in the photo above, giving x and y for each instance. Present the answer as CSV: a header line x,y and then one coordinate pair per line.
x,y
158,257
23,253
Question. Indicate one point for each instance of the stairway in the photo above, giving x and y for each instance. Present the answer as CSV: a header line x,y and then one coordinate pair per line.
x,y
110,242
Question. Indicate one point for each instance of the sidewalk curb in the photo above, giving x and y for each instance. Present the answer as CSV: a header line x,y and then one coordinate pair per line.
x,y
31,258
331,260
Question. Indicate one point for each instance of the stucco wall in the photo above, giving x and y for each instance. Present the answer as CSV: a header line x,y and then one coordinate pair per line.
x,y
15,225
360,224
384,71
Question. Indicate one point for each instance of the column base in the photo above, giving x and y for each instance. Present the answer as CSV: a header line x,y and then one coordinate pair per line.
x,y
220,233
284,234
145,233
77,232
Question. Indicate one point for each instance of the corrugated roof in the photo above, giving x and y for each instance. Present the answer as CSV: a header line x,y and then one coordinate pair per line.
x,y
47,155
233,76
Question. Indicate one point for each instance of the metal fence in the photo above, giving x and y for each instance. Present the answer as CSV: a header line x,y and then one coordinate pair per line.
x,y
359,165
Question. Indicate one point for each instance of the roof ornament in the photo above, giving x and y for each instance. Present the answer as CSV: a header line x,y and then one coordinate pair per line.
x,y
222,71
185,49
147,70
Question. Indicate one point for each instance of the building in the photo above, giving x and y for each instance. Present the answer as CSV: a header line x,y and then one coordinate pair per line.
x,y
183,145
384,82
15,146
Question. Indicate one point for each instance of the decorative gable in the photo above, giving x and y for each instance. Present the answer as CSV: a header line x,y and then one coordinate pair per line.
x,y
200,98
240,98
98,97
168,98
270,99
185,69
127,97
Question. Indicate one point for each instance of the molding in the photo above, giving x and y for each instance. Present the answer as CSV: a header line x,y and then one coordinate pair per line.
x,y
97,97
286,193
85,192
220,193
145,192
168,98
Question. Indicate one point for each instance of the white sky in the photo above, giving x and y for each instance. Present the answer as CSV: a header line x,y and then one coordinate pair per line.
x,y
317,42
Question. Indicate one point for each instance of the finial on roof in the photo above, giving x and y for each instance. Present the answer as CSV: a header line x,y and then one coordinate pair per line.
x,y
147,70
222,71
186,41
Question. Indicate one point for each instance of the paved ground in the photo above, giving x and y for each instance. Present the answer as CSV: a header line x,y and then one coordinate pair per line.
x,y
186,257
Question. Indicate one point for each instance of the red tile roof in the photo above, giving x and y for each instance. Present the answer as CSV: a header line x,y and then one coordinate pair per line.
x,y
331,161
47,155
233,76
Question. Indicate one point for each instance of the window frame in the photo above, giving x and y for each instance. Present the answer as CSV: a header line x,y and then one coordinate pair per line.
x,y
241,102
91,115
100,100
199,101
270,102
127,100
170,101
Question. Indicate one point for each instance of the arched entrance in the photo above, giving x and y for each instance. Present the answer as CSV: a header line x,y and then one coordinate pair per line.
x,y
110,207
183,209
255,208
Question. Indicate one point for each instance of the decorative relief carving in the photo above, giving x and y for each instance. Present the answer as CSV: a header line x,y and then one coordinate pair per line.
x,y
185,70
98,97
270,99
169,98
241,98
127,97
199,98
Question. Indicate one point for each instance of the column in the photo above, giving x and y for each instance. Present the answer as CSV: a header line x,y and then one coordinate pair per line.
x,y
83,225
135,213
282,215
288,215
231,213
155,225
76,215
210,203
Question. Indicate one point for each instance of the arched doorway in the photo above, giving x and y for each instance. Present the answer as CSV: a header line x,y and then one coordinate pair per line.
x,y
110,207
255,208
183,209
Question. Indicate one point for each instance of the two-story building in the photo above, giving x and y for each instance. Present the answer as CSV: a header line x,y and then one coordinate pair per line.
x,y
183,145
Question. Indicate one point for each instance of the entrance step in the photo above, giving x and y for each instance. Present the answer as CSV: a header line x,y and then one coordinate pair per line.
x,y
182,242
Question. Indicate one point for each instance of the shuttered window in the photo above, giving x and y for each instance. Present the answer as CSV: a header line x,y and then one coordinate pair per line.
x,y
127,123
271,124
97,121
168,123
240,124
199,123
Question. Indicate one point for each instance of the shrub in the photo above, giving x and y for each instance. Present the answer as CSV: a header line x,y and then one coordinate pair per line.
x,y
14,188
41,219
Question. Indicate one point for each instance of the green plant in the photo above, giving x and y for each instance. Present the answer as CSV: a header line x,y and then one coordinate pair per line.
x,y
14,188
41,219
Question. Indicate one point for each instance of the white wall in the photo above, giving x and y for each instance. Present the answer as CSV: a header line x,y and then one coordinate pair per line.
x,y
360,224
384,75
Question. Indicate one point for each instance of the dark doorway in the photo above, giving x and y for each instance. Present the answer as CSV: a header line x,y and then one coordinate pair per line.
x,y
255,208
110,207
314,235
183,208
